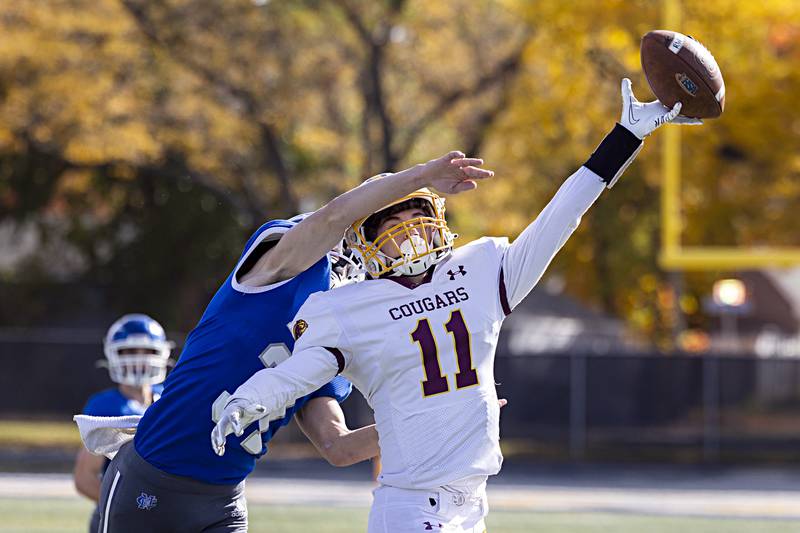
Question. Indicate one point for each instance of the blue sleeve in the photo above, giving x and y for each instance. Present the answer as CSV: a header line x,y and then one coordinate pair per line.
x,y
271,226
338,388
259,244
91,407
99,405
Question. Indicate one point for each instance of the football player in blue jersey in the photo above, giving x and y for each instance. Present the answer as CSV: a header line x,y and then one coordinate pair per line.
x,y
137,352
168,479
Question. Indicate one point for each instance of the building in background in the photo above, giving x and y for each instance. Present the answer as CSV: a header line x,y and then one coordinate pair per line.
x,y
550,322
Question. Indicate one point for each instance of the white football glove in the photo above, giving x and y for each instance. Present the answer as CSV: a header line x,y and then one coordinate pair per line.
x,y
236,416
642,119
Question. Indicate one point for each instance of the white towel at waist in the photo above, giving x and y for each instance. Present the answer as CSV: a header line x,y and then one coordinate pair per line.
x,y
105,435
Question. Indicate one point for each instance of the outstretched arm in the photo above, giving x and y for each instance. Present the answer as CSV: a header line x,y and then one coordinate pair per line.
x,y
308,241
323,422
530,254
526,260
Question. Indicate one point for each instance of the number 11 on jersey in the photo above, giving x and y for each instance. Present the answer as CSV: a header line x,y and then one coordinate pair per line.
x,y
435,382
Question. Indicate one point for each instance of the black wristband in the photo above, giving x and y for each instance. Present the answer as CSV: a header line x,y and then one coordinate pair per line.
x,y
614,153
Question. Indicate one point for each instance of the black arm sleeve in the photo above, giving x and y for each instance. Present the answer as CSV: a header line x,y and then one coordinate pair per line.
x,y
614,154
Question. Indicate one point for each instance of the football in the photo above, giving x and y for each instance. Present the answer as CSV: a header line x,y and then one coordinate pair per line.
x,y
679,68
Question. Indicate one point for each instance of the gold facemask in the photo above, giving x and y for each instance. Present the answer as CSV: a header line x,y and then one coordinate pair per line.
x,y
431,242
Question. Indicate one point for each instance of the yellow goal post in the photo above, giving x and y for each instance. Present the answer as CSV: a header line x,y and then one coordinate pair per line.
x,y
672,255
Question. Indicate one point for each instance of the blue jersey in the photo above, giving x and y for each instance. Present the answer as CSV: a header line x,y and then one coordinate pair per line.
x,y
111,402
243,330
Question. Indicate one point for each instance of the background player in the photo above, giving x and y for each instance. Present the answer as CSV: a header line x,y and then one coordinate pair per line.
x,y
169,479
137,352
419,339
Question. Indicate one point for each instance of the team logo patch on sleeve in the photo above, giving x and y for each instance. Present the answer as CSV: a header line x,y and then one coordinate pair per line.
x,y
299,328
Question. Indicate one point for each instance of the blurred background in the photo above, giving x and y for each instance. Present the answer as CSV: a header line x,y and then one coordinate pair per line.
x,y
142,141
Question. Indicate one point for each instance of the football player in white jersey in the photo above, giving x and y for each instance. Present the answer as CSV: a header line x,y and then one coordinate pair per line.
x,y
419,338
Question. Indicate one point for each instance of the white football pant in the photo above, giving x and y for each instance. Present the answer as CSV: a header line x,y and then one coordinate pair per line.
x,y
414,511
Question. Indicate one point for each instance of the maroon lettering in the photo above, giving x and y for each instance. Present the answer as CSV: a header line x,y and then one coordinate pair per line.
x,y
435,382
466,375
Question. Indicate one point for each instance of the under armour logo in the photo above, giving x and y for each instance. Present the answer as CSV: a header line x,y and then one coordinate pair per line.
x,y
459,271
429,526
146,501
239,512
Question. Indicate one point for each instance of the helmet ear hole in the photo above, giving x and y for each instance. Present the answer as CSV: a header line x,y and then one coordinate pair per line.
x,y
375,265
436,238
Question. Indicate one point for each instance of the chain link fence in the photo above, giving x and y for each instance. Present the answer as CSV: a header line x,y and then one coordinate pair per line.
x,y
564,407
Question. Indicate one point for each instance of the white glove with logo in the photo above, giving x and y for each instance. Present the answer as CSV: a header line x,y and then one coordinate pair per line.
x,y
642,119
236,416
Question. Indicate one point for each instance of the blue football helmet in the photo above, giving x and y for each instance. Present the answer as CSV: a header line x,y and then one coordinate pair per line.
x,y
137,350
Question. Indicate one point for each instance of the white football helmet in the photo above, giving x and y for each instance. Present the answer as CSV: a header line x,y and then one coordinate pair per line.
x,y
137,351
417,253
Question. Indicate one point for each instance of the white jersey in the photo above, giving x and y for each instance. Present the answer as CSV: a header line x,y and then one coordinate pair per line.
x,y
424,360
424,357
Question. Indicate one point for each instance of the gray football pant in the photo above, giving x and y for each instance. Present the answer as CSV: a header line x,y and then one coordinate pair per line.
x,y
136,497
94,520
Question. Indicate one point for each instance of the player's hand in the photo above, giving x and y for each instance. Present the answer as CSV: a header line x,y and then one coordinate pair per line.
x,y
642,118
454,173
236,416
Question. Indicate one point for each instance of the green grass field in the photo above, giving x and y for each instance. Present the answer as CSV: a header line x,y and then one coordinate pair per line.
x,y
68,515
63,515
39,433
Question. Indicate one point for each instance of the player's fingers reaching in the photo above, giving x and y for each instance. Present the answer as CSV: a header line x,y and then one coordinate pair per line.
x,y
461,186
469,166
455,154
503,402
216,445
218,436
236,416
478,173
452,176
674,112
466,161
642,119
244,415
236,423
628,97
